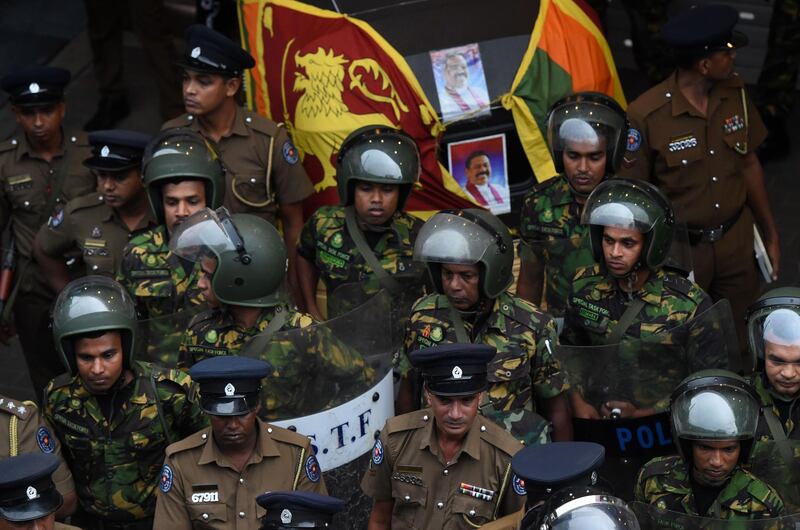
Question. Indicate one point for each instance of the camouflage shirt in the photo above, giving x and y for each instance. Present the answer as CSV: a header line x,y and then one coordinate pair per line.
x,y
326,242
524,366
550,226
116,461
770,402
311,368
665,483
163,287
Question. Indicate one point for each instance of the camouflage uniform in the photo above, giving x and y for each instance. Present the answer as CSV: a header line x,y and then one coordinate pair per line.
x,y
163,286
326,242
116,461
524,364
550,225
665,482
316,359
775,91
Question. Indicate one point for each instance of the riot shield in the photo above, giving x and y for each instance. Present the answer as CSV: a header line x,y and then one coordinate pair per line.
x,y
777,462
642,373
159,338
653,518
409,288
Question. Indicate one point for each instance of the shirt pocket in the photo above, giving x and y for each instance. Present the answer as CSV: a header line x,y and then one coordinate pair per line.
x,y
250,191
682,163
98,257
25,193
509,366
410,501
207,516
474,512
80,452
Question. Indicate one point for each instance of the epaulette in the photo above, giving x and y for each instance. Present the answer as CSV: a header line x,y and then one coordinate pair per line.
x,y
652,100
519,305
426,303
261,124
199,318
9,145
587,272
407,422
161,373
192,441
20,409
61,381
78,138
541,186
184,120
678,283
498,437
92,200
279,434
660,466
331,211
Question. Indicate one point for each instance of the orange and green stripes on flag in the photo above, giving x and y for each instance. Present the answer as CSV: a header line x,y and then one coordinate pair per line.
x,y
567,53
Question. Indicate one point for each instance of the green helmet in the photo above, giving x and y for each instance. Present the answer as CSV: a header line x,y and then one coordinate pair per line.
x,y
634,205
468,237
90,304
773,318
181,154
714,405
250,253
377,154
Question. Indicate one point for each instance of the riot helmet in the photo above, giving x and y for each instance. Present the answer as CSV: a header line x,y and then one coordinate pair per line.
x,y
633,205
584,118
250,254
715,405
468,237
181,154
773,318
379,154
91,304
584,508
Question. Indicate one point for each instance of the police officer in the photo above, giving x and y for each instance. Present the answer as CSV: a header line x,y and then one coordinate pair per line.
x,y
541,470
445,466
586,136
40,170
243,264
115,415
263,175
29,498
298,509
28,432
714,414
628,294
99,225
773,327
211,479
181,176
694,136
469,254
368,240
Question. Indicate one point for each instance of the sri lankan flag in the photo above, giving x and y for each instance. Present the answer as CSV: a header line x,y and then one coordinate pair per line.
x,y
325,75
567,53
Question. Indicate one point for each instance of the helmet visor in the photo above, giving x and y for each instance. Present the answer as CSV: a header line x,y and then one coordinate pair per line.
x,y
449,238
585,126
92,295
387,158
206,233
621,205
718,412
595,512
774,334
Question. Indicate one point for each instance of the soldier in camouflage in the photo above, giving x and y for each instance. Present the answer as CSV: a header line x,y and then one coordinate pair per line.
x,y
714,417
243,264
115,416
376,168
586,136
470,254
181,176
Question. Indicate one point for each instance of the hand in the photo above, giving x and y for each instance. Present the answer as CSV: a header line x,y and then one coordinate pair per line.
x,y
774,253
623,409
582,409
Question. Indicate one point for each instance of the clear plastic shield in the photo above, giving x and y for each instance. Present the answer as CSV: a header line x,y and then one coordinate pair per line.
x,y
410,287
778,463
652,518
160,337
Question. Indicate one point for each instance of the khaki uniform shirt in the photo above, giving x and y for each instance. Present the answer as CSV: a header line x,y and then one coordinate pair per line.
x,y
407,468
88,224
262,166
201,489
695,160
23,430
62,526
509,522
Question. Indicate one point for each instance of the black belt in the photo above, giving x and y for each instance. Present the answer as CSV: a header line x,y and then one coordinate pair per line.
x,y
712,235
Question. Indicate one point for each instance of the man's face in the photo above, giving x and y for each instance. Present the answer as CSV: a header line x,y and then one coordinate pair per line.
x,y
461,285
233,432
479,170
456,75
204,93
47,522
621,249
119,188
585,164
99,361
180,200
719,65
208,266
454,415
41,123
714,460
375,203
782,366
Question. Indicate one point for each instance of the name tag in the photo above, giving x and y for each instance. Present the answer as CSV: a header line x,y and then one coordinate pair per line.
x,y
205,493
684,142
150,273
20,182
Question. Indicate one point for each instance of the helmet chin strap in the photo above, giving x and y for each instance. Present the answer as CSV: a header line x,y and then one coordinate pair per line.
x,y
630,277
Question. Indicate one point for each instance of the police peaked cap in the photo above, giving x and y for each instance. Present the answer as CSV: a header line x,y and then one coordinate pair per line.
x,y
702,30
299,509
550,467
27,491
454,369
36,85
229,385
116,150
212,52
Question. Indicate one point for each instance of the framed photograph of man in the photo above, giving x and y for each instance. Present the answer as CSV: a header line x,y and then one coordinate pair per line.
x,y
460,82
479,166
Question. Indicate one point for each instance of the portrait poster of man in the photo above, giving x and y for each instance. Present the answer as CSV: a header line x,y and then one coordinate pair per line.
x,y
479,165
460,82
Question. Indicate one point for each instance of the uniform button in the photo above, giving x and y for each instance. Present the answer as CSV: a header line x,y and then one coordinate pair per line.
x,y
440,505
407,498
110,474
483,428
684,161
52,171
253,180
191,118
472,513
241,481
27,203
738,144
73,139
204,436
713,179
711,152
205,517
716,205
248,119
425,417
13,142
505,307
668,94
241,515
445,472
94,267
269,430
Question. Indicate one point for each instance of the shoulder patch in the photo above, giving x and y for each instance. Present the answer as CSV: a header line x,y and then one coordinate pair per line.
x,y
165,482
377,452
56,219
518,485
313,471
45,440
634,140
290,153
